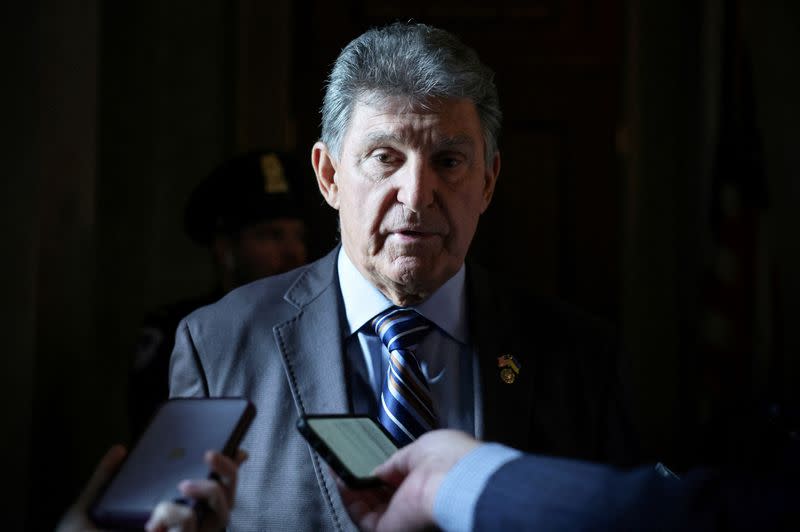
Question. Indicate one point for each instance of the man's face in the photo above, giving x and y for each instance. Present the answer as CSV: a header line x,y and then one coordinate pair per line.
x,y
409,186
268,248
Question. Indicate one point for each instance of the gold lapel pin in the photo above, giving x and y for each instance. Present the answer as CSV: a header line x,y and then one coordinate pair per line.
x,y
509,368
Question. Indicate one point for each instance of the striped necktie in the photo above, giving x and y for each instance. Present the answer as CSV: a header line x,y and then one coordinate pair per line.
x,y
406,406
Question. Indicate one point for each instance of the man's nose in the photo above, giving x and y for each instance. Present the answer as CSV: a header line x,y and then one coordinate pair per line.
x,y
416,185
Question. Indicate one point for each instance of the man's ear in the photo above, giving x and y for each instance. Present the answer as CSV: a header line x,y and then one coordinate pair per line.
x,y
325,167
490,180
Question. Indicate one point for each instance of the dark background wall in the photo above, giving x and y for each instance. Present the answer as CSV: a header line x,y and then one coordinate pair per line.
x,y
113,111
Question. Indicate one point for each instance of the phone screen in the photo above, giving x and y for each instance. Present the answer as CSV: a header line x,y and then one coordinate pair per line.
x,y
358,442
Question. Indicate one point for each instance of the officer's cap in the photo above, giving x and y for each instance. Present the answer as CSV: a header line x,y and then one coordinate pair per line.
x,y
250,188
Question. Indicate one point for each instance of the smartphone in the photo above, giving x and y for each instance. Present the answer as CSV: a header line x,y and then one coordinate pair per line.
x,y
353,445
170,450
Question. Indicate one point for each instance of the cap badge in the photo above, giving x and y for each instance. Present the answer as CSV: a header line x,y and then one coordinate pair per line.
x,y
509,368
274,177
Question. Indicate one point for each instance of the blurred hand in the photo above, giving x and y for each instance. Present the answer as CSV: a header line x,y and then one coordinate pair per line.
x,y
217,496
413,476
76,518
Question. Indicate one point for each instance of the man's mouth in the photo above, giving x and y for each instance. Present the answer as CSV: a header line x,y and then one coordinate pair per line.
x,y
414,235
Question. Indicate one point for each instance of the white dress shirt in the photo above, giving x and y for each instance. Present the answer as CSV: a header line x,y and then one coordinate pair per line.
x,y
445,355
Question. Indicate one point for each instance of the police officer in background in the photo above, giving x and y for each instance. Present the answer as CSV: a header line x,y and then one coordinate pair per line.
x,y
248,214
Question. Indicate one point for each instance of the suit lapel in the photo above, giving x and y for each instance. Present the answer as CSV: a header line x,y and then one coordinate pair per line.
x,y
313,355
311,342
506,407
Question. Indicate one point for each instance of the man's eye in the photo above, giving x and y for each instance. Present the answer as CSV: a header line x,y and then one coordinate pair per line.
x,y
384,158
449,162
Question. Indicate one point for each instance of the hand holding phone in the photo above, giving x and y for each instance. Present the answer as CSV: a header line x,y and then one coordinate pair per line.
x,y
209,501
170,450
352,445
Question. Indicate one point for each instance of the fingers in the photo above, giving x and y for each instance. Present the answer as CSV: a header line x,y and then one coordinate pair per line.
x,y
366,507
169,517
226,471
221,464
212,493
217,494
395,469
369,497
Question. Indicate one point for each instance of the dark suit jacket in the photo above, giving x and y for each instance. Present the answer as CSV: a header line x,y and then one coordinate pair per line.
x,y
279,342
539,493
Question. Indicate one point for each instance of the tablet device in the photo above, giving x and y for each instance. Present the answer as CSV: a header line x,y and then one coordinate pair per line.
x,y
352,445
170,450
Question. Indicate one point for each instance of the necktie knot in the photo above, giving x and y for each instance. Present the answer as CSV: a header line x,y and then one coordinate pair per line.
x,y
400,328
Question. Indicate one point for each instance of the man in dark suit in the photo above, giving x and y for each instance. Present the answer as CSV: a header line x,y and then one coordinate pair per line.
x,y
408,157
449,480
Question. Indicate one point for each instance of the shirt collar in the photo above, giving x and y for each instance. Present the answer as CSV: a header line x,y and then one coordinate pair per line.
x,y
446,307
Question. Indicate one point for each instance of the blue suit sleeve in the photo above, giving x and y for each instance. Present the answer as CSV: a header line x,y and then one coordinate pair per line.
x,y
541,493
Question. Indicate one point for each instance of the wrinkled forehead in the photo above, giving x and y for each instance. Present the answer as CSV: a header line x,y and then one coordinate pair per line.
x,y
439,123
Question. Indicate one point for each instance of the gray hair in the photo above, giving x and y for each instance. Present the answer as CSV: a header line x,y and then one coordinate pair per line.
x,y
414,61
